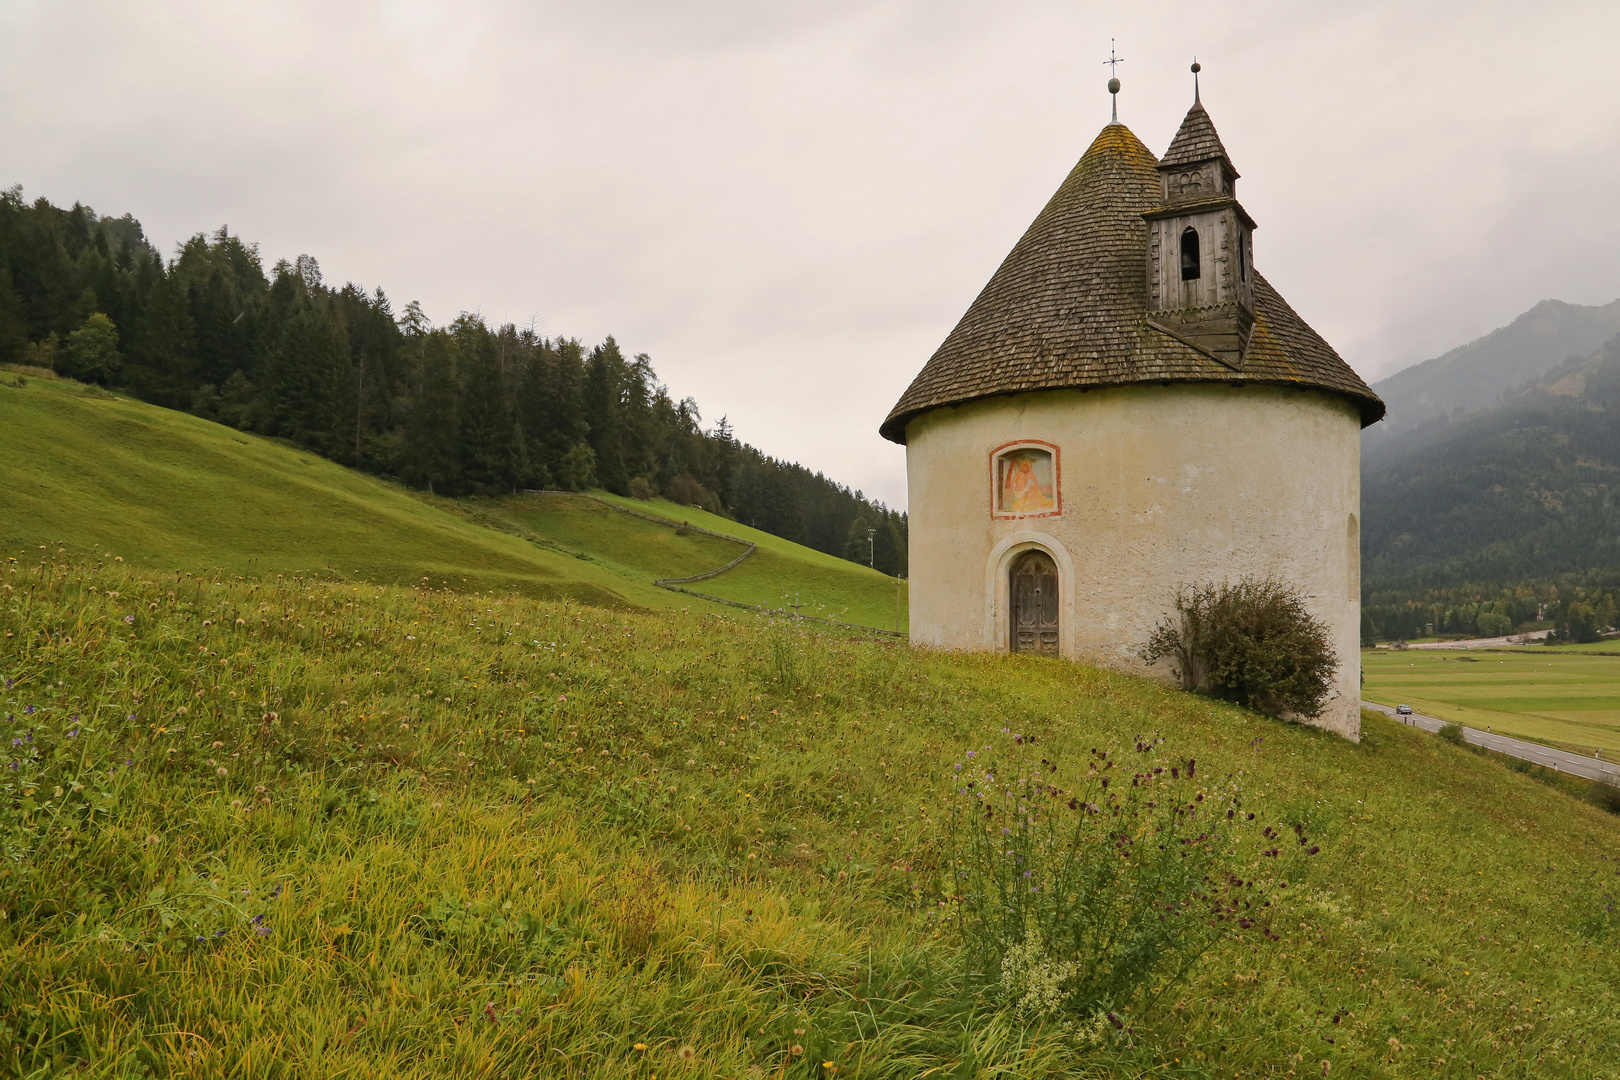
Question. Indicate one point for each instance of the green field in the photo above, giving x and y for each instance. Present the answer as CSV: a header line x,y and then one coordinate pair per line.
x,y
164,490
1546,694
285,829
779,575
328,779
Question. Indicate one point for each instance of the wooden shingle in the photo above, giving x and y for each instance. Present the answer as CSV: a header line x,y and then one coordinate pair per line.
x,y
1068,306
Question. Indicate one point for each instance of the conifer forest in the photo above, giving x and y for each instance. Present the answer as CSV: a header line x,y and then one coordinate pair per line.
x,y
459,409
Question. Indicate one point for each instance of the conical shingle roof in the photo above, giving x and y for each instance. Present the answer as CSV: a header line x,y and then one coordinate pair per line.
x,y
1068,307
1195,141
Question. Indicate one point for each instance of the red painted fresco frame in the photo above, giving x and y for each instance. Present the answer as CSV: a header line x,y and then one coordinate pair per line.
x,y
1057,478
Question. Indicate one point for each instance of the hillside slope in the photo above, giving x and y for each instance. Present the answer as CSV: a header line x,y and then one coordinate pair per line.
x,y
1482,373
168,490
164,489
1524,489
347,831
779,575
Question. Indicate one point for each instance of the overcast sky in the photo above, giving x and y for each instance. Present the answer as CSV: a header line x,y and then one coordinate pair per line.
x,y
789,205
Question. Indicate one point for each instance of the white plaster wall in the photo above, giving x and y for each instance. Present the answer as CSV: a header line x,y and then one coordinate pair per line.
x,y
1159,485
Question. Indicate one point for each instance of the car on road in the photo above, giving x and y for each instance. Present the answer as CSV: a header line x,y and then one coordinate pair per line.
x,y
1403,710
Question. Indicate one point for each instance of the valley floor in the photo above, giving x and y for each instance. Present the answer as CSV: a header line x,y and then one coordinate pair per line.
x,y
1568,699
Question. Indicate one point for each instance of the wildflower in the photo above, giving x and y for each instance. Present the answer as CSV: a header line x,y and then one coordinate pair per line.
x,y
686,1053
829,1066
29,711
130,619
150,840
795,1049
220,771
9,684
640,1046
74,734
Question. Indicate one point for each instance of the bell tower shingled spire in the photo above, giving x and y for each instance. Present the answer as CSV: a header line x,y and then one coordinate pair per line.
x,y
1200,270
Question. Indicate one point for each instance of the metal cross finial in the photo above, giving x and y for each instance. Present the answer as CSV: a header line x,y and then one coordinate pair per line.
x,y
1113,63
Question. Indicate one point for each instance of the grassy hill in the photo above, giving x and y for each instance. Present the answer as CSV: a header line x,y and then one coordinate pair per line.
x,y
326,828
779,575
163,490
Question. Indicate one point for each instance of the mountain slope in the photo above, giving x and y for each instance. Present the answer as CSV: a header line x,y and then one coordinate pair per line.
x,y
1480,374
1524,489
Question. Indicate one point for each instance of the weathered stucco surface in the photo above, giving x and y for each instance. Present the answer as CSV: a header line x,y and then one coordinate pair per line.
x,y
1159,486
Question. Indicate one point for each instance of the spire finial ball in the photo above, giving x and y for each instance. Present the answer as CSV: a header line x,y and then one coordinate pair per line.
x,y
1113,86
1197,67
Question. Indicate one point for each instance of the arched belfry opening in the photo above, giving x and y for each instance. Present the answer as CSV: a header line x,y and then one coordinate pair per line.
x,y
1190,262
1033,589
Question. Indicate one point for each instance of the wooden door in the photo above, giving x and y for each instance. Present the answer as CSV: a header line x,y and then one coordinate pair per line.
x,y
1035,604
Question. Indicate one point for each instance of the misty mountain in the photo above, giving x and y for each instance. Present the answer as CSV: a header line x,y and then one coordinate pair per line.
x,y
1527,489
1425,397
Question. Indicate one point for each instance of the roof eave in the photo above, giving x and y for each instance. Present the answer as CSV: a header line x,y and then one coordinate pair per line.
x,y
1371,409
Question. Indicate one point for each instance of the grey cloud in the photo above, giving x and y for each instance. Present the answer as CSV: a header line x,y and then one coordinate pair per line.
x,y
788,205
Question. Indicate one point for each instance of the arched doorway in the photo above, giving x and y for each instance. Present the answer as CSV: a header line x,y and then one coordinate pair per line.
x,y
1034,592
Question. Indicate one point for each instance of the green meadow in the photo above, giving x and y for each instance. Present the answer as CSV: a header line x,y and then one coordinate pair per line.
x,y
1548,695
305,774
165,490
291,827
780,575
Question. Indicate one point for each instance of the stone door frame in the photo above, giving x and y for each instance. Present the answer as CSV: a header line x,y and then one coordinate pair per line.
x,y
998,589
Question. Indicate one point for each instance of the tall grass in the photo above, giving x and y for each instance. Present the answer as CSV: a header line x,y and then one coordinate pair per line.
x,y
308,827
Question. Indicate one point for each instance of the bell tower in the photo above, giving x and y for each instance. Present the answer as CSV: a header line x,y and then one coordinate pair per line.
x,y
1200,254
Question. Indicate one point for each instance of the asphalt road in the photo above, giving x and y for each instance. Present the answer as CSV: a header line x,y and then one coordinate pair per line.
x,y
1562,760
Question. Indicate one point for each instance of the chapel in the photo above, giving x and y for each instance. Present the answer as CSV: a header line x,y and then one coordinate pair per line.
x,y
1127,407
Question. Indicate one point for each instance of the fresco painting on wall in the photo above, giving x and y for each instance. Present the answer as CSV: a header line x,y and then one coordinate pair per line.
x,y
1025,482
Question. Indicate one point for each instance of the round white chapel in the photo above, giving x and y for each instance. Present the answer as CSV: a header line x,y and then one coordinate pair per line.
x,y
1128,406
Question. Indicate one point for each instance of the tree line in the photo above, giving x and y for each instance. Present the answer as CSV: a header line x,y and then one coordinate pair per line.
x,y
459,409
1573,607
